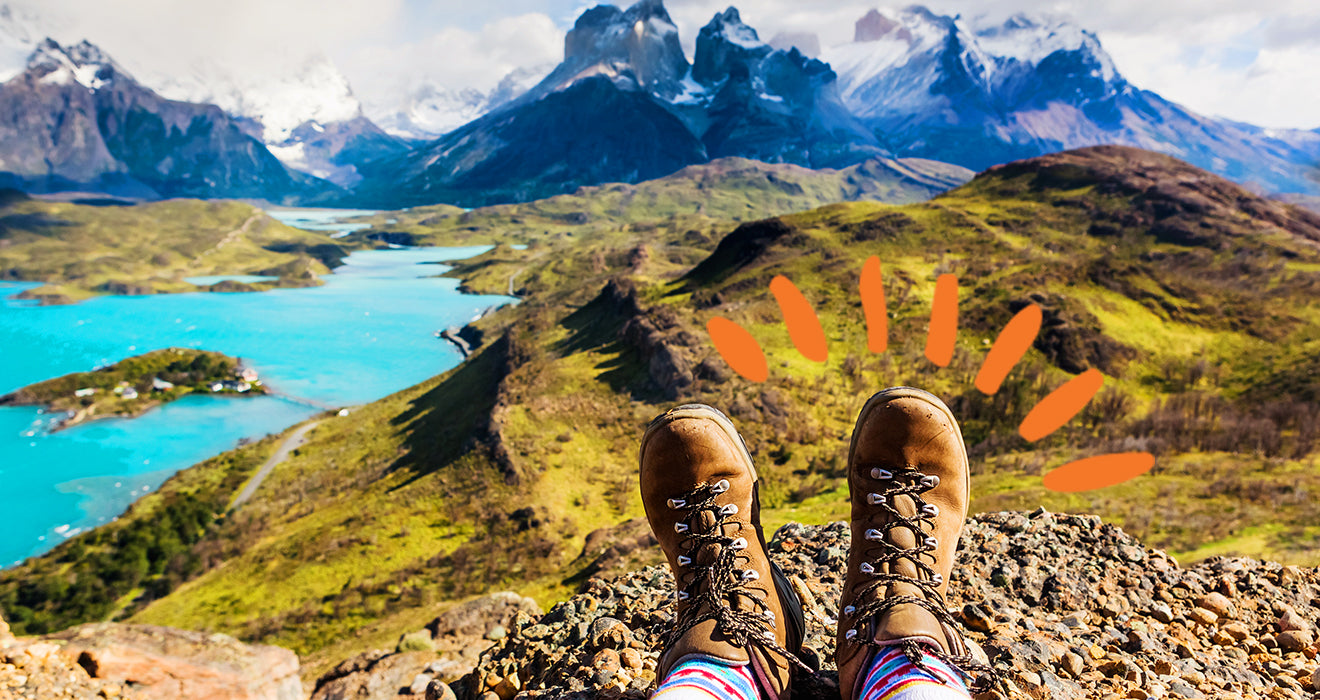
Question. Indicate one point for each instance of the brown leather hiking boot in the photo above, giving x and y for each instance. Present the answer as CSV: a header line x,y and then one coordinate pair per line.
x,y
734,606
909,481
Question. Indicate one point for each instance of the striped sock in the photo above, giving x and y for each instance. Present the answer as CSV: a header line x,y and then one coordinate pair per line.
x,y
894,677
701,679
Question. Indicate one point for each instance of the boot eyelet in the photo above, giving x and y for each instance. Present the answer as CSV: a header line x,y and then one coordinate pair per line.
x,y
930,481
931,509
680,528
769,615
879,473
937,579
677,503
866,568
850,635
683,595
730,509
684,561
850,609
876,499
750,575
720,486
874,535
738,544
932,542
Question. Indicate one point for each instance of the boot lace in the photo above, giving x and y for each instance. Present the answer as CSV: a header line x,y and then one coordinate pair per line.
x,y
712,589
913,484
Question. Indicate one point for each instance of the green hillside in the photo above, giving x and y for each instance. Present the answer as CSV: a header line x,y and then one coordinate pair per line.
x,y
81,250
1195,298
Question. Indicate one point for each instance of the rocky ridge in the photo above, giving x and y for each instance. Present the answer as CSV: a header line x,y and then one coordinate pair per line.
x,y
1064,606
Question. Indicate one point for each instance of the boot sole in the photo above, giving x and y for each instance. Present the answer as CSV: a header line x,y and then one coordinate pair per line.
x,y
907,392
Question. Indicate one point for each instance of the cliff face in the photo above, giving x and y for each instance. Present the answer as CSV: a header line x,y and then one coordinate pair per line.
x,y
1063,605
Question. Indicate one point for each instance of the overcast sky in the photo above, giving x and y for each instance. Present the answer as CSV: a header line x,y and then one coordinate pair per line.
x,y
1252,60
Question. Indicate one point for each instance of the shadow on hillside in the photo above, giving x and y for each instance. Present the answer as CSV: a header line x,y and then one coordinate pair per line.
x,y
453,417
598,327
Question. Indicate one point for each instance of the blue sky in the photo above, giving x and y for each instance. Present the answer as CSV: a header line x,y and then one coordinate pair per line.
x,y
1252,60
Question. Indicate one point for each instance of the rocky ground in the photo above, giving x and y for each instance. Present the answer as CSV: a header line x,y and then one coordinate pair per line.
x,y
1064,606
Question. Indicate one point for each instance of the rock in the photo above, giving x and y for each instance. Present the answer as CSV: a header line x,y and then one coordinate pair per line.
x,y
416,641
373,676
609,632
1289,621
159,662
437,690
4,629
631,659
1315,680
1217,603
507,687
1072,664
419,684
1203,616
1236,631
497,633
1162,612
1294,640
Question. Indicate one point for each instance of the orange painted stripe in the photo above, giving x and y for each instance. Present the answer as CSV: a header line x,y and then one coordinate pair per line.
x,y
1098,472
1013,342
1061,405
873,305
943,321
803,325
738,348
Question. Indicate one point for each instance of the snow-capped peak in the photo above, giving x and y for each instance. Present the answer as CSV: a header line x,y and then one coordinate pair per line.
x,y
1030,40
84,64
729,26
280,101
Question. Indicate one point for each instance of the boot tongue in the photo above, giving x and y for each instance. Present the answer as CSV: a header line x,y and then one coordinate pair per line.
x,y
907,620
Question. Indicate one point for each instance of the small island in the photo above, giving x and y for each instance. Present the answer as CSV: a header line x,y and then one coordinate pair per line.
x,y
135,385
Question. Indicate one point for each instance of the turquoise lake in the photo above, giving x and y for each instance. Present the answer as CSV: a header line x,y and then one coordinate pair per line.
x,y
368,332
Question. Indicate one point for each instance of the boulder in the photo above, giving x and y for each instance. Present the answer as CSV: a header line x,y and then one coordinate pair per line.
x,y
164,663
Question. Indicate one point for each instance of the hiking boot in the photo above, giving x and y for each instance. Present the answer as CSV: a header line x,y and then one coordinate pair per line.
x,y
734,606
909,481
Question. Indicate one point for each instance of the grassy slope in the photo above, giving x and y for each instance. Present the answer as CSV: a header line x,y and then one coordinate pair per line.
x,y
79,250
426,497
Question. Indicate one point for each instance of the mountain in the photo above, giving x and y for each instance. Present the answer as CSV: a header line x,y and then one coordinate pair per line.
x,y
308,117
936,86
637,50
772,105
625,105
75,120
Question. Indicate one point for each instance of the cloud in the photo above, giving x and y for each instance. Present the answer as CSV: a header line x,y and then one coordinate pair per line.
x,y
243,35
455,58
1252,60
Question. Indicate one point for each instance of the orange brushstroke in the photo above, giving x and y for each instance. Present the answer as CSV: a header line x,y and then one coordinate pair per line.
x,y
803,325
873,305
1012,343
1098,472
943,321
739,349
1061,405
